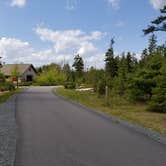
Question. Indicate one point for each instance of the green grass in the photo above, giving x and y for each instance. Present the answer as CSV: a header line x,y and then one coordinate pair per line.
x,y
119,108
6,95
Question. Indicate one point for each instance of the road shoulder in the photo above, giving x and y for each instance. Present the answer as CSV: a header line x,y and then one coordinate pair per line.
x,y
8,132
129,125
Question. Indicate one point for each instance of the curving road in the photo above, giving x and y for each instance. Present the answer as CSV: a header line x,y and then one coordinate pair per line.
x,y
54,132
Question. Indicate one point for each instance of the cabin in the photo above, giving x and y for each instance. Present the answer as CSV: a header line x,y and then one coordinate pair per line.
x,y
24,72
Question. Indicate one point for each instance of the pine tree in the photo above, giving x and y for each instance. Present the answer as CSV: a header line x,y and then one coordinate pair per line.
x,y
78,65
131,62
122,75
158,24
152,44
144,58
111,65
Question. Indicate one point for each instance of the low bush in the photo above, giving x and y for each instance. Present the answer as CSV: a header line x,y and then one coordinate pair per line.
x,y
6,86
25,83
69,85
101,87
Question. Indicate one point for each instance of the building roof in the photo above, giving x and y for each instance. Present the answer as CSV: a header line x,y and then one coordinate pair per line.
x,y
8,68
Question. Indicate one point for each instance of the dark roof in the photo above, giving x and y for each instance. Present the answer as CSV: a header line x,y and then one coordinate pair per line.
x,y
8,68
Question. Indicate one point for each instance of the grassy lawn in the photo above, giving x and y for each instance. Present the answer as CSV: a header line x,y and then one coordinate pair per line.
x,y
119,108
4,96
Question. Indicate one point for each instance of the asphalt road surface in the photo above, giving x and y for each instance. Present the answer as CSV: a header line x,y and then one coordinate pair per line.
x,y
54,132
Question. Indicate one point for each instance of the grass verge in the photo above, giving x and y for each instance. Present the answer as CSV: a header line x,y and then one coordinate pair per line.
x,y
119,108
6,95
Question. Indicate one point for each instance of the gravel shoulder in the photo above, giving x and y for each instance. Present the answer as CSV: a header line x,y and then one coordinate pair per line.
x,y
8,132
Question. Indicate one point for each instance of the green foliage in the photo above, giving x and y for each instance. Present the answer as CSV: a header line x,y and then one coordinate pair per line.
x,y
111,63
67,71
158,101
69,85
6,86
124,75
158,24
2,78
93,76
152,44
78,65
101,87
51,75
25,84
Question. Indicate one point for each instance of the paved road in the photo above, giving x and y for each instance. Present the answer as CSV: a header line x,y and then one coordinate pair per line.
x,y
54,132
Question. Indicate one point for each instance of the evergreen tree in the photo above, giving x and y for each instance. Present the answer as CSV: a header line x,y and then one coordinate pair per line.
x,y
111,65
158,100
144,57
78,65
158,24
131,62
152,44
162,50
122,75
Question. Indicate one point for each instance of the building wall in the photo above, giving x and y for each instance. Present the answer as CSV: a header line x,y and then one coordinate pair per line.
x,y
30,72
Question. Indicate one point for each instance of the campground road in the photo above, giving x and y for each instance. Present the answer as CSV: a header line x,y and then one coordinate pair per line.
x,y
55,132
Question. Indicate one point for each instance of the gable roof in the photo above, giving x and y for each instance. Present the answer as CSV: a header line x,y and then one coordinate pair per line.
x,y
8,68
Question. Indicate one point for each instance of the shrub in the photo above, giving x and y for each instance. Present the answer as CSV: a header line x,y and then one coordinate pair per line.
x,y
101,87
6,86
50,78
158,100
25,83
2,78
69,85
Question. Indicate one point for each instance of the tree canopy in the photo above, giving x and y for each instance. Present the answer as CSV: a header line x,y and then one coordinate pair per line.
x,y
159,24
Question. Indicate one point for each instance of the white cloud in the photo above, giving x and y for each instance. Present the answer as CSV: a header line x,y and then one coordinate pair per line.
x,y
114,3
16,51
75,41
65,44
18,3
158,4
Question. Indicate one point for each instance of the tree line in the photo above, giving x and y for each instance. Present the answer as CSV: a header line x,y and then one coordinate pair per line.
x,y
142,80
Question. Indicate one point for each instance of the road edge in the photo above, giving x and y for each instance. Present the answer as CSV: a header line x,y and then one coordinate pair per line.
x,y
132,126
9,132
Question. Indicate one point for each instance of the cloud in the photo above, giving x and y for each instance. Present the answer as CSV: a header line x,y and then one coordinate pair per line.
x,y
65,44
75,41
158,4
16,51
114,3
18,3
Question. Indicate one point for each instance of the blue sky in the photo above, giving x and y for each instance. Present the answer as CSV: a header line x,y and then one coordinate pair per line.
x,y
41,32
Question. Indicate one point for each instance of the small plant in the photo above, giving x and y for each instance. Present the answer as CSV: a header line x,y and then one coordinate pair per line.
x,y
69,85
6,86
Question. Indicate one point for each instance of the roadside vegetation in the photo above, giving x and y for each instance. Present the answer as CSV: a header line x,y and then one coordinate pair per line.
x,y
7,89
6,95
127,88
120,108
